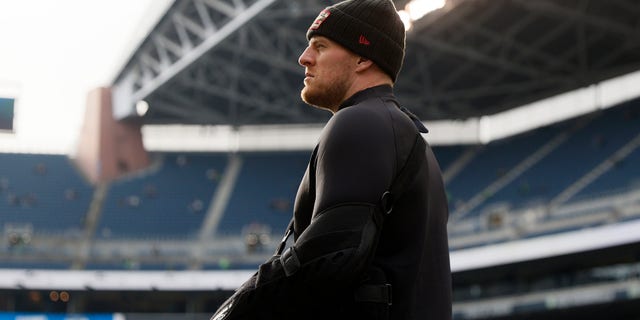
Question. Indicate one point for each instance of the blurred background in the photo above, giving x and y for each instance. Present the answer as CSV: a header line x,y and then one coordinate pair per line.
x,y
150,151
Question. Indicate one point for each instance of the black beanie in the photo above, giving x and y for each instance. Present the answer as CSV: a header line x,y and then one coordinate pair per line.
x,y
370,28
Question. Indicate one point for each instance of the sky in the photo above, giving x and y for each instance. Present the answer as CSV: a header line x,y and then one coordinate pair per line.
x,y
52,53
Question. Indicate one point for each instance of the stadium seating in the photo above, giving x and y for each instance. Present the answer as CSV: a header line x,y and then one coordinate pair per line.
x,y
495,160
446,155
626,172
265,191
583,151
167,202
170,200
591,139
45,192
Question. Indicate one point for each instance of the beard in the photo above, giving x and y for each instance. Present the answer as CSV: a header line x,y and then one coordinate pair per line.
x,y
326,95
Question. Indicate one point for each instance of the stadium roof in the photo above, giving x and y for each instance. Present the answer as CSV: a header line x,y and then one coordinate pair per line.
x,y
235,61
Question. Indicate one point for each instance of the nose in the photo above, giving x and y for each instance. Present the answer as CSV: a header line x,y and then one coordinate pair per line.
x,y
305,58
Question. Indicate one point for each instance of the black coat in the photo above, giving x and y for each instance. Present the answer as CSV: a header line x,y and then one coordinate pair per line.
x,y
359,153
341,241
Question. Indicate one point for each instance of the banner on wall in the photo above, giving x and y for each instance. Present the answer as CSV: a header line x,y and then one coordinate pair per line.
x,y
60,316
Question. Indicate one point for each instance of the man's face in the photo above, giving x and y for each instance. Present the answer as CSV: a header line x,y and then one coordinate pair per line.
x,y
329,70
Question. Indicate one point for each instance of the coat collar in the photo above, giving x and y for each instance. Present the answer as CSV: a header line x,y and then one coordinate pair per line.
x,y
385,92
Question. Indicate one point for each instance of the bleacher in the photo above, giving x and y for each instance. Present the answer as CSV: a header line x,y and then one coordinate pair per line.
x,y
167,202
44,192
446,155
582,181
264,192
625,172
493,162
518,178
583,151
581,145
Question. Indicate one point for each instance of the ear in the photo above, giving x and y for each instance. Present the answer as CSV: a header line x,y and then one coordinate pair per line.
x,y
363,64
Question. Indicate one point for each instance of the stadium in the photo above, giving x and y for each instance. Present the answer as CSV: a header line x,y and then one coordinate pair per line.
x,y
182,175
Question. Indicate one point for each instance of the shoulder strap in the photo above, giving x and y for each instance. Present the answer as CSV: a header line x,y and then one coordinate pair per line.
x,y
405,177
381,293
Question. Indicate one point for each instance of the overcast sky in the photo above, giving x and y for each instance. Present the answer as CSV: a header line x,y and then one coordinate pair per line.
x,y
52,52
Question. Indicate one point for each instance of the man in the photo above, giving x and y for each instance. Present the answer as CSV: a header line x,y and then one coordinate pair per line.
x,y
360,252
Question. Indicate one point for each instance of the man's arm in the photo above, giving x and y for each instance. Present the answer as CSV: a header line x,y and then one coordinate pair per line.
x,y
355,165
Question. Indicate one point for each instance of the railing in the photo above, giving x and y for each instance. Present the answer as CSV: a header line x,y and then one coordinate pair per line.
x,y
504,224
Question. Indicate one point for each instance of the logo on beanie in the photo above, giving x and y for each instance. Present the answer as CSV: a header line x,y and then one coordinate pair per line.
x,y
364,40
320,19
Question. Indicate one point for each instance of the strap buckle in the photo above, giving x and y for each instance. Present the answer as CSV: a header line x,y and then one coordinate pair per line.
x,y
290,261
386,201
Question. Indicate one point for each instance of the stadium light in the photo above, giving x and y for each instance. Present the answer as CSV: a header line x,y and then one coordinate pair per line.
x,y
142,107
416,9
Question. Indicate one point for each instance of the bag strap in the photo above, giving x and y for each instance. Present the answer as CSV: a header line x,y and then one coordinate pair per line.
x,y
381,293
405,177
